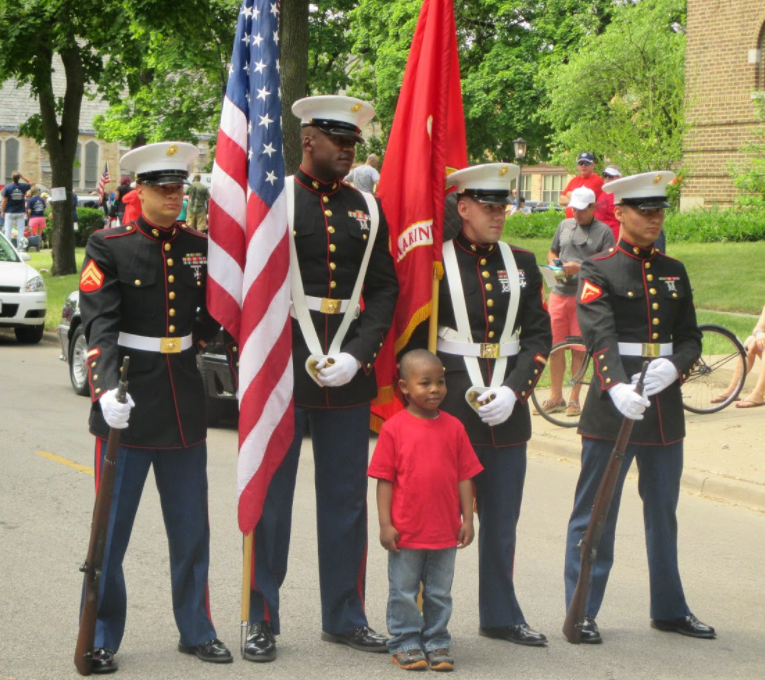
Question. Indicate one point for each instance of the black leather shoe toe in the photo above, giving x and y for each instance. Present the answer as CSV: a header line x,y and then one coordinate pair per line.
x,y
686,625
212,651
103,661
261,643
520,635
362,638
590,632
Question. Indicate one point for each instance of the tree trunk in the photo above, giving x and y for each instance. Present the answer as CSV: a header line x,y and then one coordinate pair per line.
x,y
61,142
294,69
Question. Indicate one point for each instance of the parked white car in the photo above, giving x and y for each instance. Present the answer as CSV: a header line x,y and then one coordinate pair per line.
x,y
23,299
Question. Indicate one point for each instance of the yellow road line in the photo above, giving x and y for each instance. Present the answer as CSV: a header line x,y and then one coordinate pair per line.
x,y
65,461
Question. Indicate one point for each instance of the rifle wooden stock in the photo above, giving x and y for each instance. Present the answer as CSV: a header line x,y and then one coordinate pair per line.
x,y
91,568
572,626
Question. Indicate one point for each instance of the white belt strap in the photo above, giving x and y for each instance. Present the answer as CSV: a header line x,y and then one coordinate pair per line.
x,y
482,350
463,333
299,300
646,349
147,344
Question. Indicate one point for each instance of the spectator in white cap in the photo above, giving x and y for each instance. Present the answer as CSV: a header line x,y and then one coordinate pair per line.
x,y
575,240
604,208
585,165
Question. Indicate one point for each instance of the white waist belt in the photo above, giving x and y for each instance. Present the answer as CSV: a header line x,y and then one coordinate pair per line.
x,y
485,350
147,344
646,349
324,305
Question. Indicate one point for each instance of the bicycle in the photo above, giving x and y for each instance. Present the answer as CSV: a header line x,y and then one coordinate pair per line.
x,y
721,366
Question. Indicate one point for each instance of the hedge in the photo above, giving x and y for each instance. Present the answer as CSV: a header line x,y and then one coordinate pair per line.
x,y
88,221
714,225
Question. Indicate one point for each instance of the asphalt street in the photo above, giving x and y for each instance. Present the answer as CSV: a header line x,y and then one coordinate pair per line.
x,y
46,500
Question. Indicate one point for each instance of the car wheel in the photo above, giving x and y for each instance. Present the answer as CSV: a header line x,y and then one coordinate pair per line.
x,y
29,335
78,362
213,406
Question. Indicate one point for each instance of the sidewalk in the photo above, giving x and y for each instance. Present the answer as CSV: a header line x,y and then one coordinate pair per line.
x,y
724,453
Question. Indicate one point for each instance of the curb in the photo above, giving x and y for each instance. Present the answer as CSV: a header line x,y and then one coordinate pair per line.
x,y
694,481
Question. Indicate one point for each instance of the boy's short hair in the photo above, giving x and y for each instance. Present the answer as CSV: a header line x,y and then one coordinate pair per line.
x,y
414,357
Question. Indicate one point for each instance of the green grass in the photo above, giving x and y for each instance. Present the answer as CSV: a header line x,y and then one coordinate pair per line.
x,y
58,286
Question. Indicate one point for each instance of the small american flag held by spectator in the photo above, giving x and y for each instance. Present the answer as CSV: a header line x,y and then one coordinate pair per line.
x,y
103,180
248,261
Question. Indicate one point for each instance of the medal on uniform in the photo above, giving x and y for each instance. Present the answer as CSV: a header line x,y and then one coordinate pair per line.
x,y
471,396
312,363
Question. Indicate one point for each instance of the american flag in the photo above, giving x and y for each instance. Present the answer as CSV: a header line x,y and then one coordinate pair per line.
x,y
248,261
103,180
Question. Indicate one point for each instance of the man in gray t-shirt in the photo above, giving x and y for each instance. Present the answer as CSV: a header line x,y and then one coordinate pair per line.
x,y
365,177
576,239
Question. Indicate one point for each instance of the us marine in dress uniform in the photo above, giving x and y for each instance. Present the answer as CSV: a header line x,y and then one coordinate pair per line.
x,y
339,244
494,338
635,303
142,295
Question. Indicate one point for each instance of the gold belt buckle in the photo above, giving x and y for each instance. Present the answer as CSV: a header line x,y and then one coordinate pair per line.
x,y
651,350
170,345
489,350
329,306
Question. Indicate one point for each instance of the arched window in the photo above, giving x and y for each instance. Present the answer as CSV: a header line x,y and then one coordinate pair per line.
x,y
91,165
11,158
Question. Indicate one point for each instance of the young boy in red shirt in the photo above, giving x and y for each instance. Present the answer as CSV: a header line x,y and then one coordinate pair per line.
x,y
423,463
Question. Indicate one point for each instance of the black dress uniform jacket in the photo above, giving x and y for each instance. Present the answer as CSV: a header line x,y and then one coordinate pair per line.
x,y
638,295
331,232
147,281
487,297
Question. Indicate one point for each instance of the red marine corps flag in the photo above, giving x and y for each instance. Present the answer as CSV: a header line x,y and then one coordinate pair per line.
x,y
427,142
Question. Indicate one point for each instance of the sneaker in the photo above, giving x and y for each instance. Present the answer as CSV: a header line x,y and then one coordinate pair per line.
x,y
573,409
410,660
550,406
440,660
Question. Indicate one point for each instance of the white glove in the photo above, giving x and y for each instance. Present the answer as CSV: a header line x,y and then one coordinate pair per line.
x,y
339,371
499,409
115,414
661,374
630,404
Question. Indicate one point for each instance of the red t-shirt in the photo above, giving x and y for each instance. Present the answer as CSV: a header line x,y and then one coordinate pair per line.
x,y
594,182
604,211
425,460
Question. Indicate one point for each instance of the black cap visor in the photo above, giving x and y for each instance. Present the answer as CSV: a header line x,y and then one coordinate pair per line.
x,y
338,128
160,177
488,196
647,203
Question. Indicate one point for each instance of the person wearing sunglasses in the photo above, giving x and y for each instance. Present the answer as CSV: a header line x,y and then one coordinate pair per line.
x,y
585,166
575,240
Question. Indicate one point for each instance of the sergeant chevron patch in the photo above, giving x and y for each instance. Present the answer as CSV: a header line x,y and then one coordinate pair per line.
x,y
590,292
92,278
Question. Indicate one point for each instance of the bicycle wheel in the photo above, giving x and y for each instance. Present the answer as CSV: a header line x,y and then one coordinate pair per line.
x,y
720,370
567,350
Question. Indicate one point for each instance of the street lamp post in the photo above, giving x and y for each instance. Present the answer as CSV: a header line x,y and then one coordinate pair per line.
x,y
519,148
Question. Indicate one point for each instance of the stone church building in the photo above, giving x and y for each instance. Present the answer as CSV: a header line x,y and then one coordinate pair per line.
x,y
725,74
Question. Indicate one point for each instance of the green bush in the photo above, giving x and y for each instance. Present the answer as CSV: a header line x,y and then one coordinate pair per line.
x,y
716,225
88,220
536,225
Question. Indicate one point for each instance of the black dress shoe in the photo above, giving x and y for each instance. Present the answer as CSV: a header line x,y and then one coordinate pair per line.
x,y
686,625
261,643
103,661
212,651
590,632
520,635
363,638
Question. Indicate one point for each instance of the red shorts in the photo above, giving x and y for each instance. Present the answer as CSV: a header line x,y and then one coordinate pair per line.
x,y
37,224
563,319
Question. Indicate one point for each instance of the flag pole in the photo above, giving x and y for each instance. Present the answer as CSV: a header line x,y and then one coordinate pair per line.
x,y
438,274
246,589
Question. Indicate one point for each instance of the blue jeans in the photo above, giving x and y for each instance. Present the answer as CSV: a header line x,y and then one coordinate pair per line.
x,y
406,570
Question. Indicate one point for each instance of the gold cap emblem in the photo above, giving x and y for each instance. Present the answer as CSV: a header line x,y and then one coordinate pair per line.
x,y
503,171
657,179
356,107
172,150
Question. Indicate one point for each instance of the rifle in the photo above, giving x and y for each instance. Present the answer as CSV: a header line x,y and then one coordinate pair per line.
x,y
83,652
572,626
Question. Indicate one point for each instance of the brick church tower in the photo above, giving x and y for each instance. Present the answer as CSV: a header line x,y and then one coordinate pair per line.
x,y
724,73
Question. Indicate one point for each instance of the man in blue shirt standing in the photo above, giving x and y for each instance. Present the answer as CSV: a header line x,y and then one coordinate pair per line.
x,y
14,209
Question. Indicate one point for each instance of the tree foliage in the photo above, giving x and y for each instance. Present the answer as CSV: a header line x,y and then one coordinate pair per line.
x,y
621,95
